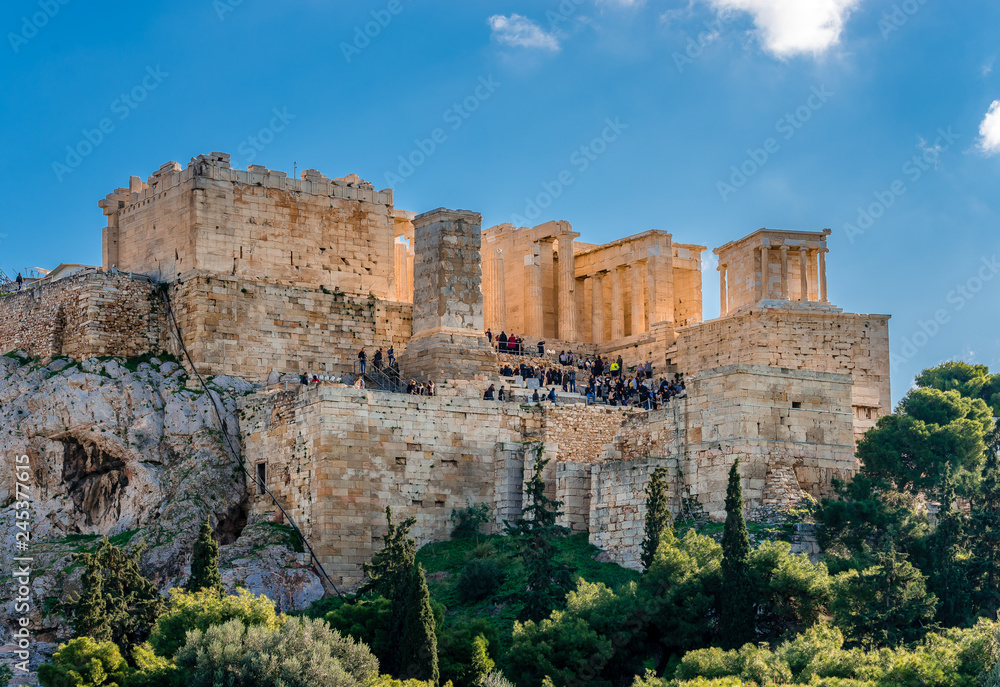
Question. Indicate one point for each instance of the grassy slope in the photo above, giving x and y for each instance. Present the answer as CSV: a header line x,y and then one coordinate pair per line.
x,y
443,562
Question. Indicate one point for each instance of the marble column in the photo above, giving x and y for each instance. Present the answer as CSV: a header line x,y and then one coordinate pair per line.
x,y
661,297
533,309
617,303
764,290
403,276
784,273
723,291
567,290
638,297
822,275
803,274
495,300
597,307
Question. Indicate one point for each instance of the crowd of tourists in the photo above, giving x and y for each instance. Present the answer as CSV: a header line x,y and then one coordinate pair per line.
x,y
601,380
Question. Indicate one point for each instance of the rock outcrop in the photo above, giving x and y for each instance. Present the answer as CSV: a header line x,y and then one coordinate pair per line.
x,y
126,449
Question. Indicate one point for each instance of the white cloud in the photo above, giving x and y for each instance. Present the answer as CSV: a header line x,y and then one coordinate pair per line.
x,y
622,3
522,32
989,130
988,67
790,27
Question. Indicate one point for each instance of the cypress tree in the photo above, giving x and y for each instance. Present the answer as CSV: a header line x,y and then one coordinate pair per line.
x,y
536,533
205,562
736,603
411,629
949,574
657,516
986,531
394,574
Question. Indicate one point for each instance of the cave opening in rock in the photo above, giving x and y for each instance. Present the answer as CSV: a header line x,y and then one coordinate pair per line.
x,y
95,480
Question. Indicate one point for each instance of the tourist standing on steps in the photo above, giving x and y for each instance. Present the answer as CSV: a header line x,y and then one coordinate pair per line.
x,y
489,335
502,342
430,388
20,281
377,360
541,349
390,356
362,360
501,396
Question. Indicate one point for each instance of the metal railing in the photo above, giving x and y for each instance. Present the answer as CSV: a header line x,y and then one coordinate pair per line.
x,y
381,378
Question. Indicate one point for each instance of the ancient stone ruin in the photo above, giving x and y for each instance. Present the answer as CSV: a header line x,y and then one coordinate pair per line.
x,y
267,276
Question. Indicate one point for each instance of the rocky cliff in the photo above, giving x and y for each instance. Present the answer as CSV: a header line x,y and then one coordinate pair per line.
x,y
126,449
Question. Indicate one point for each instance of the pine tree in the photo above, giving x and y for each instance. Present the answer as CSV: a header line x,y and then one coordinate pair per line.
x,y
205,562
117,601
736,603
657,516
950,581
985,533
536,532
394,574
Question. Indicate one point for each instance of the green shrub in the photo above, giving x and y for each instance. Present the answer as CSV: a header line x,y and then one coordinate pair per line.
x,y
469,521
84,662
200,610
467,652
480,578
301,653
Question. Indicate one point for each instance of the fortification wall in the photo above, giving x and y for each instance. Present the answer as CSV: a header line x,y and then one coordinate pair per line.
x,y
821,341
82,316
790,429
255,224
336,456
246,328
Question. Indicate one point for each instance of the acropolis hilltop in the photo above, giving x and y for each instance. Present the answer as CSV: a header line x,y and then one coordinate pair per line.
x,y
266,276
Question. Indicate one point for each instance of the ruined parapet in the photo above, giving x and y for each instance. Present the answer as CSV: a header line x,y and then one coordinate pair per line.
x,y
257,224
448,340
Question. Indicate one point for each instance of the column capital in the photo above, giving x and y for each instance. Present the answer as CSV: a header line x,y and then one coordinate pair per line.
x,y
783,248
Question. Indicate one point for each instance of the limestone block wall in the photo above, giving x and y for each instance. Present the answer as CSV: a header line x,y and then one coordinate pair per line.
x,y
820,340
88,314
579,432
336,456
618,506
252,224
246,328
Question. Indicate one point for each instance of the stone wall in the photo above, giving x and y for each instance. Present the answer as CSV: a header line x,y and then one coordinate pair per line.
x,y
579,432
247,328
618,506
337,456
821,340
88,314
255,224
791,431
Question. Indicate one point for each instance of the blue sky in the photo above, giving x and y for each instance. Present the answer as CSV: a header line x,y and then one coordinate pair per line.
x,y
878,119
